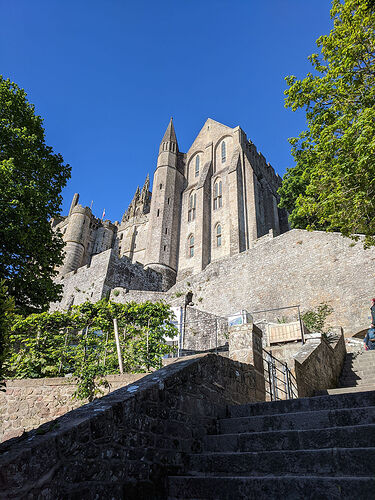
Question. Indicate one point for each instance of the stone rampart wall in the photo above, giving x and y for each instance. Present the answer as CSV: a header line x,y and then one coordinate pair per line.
x,y
105,272
86,283
125,444
28,403
318,365
297,267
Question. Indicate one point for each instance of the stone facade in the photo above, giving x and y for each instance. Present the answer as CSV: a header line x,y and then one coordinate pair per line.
x,y
105,273
212,226
297,267
211,202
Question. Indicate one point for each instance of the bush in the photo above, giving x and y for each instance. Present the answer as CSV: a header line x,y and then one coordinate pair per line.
x,y
315,319
82,342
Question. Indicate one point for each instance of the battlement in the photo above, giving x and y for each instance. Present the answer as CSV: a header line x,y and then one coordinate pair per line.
x,y
261,167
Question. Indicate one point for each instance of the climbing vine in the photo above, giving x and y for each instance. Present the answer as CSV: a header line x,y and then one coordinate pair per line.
x,y
81,343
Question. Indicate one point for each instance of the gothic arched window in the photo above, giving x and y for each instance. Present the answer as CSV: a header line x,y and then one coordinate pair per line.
x,y
192,206
191,246
218,235
223,152
197,162
218,194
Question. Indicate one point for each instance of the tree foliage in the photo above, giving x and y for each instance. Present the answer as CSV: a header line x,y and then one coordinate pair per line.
x,y
81,342
31,179
6,315
332,186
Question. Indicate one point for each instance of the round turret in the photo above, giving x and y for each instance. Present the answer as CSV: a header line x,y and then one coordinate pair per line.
x,y
76,238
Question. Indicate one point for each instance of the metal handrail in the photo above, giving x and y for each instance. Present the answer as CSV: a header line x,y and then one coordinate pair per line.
x,y
286,384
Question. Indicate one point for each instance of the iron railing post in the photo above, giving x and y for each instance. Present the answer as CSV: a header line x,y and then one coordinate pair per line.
x,y
287,388
300,325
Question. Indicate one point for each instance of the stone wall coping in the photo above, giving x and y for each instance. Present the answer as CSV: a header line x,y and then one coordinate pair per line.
x,y
54,381
309,347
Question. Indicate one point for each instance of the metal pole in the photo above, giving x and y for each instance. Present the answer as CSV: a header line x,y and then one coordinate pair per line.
x,y
216,336
105,349
287,380
183,333
300,325
148,357
118,345
85,347
65,343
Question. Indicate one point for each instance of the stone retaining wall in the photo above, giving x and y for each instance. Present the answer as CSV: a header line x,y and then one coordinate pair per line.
x,y
125,444
297,267
28,403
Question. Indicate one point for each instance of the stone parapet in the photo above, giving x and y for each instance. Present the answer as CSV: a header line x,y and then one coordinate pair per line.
x,y
28,403
318,365
245,346
125,444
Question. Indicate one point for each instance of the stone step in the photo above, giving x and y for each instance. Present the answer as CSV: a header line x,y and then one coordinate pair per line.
x,y
348,437
358,376
356,382
328,462
273,487
367,370
304,404
359,389
300,420
368,365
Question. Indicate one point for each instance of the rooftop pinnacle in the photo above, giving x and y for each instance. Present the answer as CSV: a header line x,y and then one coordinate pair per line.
x,y
170,134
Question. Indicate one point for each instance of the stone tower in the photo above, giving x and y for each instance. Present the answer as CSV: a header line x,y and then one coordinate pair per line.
x,y
76,236
165,212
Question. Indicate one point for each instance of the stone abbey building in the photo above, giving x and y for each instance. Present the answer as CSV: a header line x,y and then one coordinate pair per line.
x,y
212,202
212,226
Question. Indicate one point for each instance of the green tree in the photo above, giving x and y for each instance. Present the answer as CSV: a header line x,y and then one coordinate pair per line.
x,y
332,186
6,315
31,179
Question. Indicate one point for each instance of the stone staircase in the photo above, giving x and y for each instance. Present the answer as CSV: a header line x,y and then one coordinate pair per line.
x,y
307,448
358,373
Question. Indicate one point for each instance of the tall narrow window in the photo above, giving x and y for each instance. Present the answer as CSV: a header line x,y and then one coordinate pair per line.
x,y
218,235
192,206
218,194
197,161
191,246
223,152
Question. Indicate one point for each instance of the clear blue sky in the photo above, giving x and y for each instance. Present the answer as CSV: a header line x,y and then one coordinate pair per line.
x,y
106,75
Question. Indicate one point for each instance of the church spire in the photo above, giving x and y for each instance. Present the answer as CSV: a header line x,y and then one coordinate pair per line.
x,y
169,141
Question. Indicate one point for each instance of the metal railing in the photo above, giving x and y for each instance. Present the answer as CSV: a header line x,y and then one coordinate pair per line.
x,y
279,380
297,306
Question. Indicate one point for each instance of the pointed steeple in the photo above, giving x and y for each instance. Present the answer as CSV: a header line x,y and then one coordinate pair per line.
x,y
169,141
146,185
137,193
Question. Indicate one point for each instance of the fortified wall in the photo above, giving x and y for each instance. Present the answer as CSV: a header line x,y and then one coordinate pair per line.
x,y
297,267
212,226
105,272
